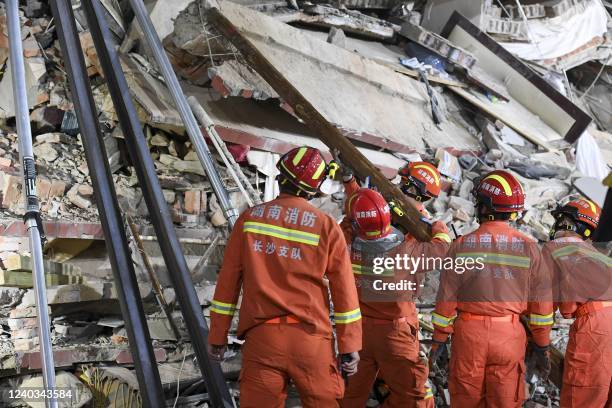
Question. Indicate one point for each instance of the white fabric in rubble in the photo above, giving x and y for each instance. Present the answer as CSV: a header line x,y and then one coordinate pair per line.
x,y
589,160
265,162
558,36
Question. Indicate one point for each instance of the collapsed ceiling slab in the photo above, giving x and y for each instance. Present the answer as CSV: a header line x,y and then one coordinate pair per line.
x,y
267,127
524,85
370,102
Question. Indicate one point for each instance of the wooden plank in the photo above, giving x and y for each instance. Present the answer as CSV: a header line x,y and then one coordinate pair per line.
x,y
328,133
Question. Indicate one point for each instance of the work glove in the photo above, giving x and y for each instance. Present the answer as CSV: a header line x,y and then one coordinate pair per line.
x,y
437,347
542,358
349,363
216,352
346,171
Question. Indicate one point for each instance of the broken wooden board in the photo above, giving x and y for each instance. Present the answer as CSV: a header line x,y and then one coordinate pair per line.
x,y
370,102
514,115
234,22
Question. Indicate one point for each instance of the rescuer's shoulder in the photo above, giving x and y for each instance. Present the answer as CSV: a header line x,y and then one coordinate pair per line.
x,y
519,235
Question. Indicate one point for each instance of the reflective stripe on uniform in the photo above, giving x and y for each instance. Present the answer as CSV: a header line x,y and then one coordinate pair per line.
x,y
443,236
282,233
442,321
498,259
366,270
541,320
571,249
428,393
347,317
223,308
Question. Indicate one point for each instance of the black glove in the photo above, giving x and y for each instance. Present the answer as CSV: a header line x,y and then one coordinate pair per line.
x,y
437,347
347,172
542,358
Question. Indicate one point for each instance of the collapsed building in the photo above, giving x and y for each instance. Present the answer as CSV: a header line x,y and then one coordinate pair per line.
x,y
469,85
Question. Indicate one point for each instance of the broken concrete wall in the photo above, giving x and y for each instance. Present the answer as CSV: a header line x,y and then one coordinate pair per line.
x,y
367,100
522,83
437,12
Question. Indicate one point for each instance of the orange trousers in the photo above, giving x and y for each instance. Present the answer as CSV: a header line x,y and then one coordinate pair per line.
x,y
273,354
587,373
390,351
487,367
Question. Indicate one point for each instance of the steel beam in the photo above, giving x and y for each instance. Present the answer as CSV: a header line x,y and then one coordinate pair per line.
x,y
108,207
154,198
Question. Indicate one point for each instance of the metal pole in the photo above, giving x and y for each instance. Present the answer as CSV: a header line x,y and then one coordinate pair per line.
x,y
156,286
108,207
158,209
241,180
32,215
193,130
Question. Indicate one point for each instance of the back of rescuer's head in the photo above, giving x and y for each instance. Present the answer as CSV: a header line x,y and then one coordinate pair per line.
x,y
369,214
302,171
579,215
499,196
420,180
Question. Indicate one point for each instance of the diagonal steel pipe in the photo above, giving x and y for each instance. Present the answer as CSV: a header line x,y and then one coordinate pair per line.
x,y
158,209
108,207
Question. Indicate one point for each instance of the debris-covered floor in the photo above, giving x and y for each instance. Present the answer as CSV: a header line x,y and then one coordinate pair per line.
x,y
403,81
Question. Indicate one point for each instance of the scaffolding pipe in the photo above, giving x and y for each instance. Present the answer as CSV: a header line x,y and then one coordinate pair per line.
x,y
172,252
233,168
193,130
108,207
31,218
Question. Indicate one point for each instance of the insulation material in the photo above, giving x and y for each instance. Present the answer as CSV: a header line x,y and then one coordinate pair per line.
x,y
589,159
265,162
555,37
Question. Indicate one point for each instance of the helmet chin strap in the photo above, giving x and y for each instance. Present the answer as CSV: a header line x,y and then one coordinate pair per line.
x,y
563,224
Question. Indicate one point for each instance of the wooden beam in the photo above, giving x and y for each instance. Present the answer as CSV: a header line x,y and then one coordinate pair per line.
x,y
411,220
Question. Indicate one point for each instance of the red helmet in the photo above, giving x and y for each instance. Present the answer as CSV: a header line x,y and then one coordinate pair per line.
x,y
500,192
369,213
581,210
424,176
304,167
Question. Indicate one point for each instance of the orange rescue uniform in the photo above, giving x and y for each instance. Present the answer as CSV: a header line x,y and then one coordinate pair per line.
x,y
282,253
390,335
481,307
583,290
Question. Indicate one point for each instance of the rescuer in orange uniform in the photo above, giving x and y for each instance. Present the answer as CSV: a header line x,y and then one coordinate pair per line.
x,y
390,341
281,253
497,275
583,278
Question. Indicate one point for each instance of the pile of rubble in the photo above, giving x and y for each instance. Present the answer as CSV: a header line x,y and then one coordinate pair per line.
x,y
404,81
